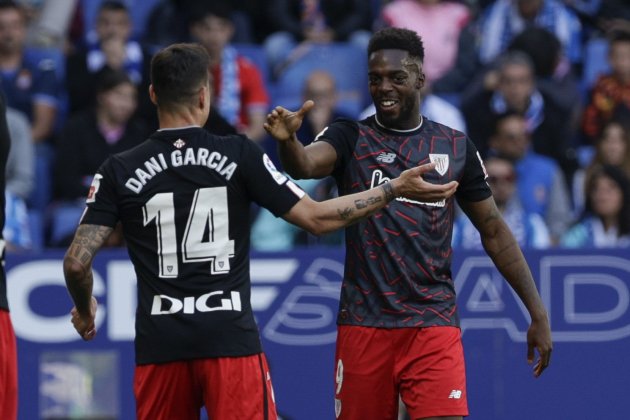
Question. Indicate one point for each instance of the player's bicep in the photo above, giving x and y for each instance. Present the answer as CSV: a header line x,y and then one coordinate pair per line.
x,y
483,214
322,157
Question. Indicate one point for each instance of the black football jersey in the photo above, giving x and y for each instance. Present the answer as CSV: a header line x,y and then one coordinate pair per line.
x,y
398,261
183,197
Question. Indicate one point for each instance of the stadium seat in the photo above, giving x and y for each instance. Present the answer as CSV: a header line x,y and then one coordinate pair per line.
x,y
64,219
595,62
348,65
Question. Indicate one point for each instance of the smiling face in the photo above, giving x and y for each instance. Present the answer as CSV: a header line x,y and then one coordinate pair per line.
x,y
395,81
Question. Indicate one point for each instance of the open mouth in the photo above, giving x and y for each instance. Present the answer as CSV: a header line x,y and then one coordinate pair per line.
x,y
387,104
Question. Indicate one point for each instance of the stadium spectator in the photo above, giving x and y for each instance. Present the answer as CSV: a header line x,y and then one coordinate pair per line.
x,y
186,186
29,80
239,93
397,283
504,19
529,229
511,87
270,233
105,129
606,219
299,23
438,22
541,186
20,178
553,76
110,46
8,345
610,97
611,148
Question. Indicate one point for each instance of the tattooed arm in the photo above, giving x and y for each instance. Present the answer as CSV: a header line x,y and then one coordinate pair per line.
x,y
323,217
77,270
506,254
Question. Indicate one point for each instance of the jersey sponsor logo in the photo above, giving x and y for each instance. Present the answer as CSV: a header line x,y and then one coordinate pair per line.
x,y
455,394
179,143
166,305
378,178
96,184
386,157
441,162
277,176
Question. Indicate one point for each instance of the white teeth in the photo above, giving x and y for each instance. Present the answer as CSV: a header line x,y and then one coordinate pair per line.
x,y
388,103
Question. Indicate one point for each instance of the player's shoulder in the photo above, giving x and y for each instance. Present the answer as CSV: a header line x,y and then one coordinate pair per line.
x,y
443,129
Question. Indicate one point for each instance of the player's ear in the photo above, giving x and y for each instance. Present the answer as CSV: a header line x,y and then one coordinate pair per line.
x,y
204,97
152,95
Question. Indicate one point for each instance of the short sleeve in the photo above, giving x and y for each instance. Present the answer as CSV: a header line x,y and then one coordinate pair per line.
x,y
342,134
473,185
267,186
102,208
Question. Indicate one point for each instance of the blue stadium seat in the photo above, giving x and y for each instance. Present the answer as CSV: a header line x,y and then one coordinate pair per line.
x,y
36,226
595,62
348,65
64,219
41,194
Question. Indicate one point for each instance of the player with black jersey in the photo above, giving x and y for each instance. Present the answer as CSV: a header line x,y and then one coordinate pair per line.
x,y
8,349
183,197
398,327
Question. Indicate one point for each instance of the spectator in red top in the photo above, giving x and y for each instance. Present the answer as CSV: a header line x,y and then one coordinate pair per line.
x,y
611,93
239,95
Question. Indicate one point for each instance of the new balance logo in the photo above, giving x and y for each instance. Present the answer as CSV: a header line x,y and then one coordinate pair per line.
x,y
455,394
386,157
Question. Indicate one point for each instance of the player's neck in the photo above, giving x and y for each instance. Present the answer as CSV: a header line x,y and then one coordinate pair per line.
x,y
177,120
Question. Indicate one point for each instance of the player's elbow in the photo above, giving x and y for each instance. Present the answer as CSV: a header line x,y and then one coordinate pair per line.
x,y
72,269
317,227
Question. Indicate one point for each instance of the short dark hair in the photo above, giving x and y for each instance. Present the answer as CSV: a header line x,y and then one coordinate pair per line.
x,y
108,79
113,5
201,10
397,39
177,72
544,59
10,4
619,36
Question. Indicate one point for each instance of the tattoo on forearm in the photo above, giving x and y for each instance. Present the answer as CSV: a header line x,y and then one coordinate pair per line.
x,y
389,191
361,204
346,213
88,239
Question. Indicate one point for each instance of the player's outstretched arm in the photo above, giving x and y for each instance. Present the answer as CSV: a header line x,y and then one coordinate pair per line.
x,y
323,217
506,254
77,270
316,160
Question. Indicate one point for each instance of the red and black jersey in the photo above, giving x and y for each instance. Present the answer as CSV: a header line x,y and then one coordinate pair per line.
x,y
398,261
183,197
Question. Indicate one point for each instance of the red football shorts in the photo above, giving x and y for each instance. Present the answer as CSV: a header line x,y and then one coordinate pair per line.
x,y
424,366
8,368
230,388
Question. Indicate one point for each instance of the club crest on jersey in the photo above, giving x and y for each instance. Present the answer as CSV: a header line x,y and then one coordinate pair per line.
x,y
179,143
441,162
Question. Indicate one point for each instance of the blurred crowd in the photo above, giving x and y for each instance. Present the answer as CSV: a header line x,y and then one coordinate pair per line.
x,y
542,87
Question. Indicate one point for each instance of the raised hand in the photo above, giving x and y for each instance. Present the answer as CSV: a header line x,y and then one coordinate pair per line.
x,y
410,184
282,124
